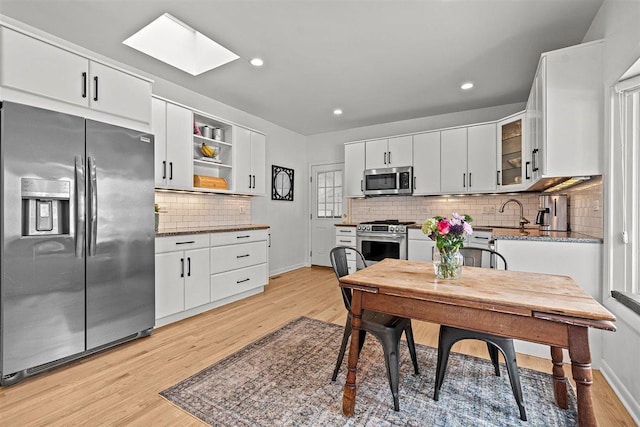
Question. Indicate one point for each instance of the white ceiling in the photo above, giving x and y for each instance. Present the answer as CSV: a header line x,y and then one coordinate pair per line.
x,y
380,61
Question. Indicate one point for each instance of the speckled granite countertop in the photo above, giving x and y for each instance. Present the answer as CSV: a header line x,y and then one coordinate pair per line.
x,y
216,229
535,234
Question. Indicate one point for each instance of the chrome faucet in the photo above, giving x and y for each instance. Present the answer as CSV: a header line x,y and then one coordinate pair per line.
x,y
523,220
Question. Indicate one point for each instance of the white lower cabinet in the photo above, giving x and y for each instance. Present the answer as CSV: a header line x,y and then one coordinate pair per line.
x,y
238,263
420,246
198,272
581,261
182,272
346,236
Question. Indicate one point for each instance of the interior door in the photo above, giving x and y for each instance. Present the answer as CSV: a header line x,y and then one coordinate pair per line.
x,y
120,233
326,210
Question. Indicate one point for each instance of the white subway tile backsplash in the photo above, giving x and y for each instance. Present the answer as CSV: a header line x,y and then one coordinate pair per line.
x,y
187,210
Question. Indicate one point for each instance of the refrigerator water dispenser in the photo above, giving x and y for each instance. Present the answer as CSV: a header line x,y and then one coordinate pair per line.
x,y
45,206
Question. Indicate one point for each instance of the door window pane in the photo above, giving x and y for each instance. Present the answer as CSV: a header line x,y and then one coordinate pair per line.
x,y
329,193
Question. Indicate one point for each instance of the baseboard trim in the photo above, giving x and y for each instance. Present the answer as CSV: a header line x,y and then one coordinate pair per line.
x,y
286,269
627,399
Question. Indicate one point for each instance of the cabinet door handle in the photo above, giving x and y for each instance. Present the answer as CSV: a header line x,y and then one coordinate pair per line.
x,y
497,177
181,267
189,266
170,170
243,280
185,243
385,157
533,159
269,240
249,180
469,179
389,157
433,250
95,94
464,180
526,170
164,169
242,256
361,182
414,182
84,85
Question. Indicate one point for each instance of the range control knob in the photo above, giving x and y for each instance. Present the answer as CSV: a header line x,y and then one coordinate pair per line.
x,y
368,228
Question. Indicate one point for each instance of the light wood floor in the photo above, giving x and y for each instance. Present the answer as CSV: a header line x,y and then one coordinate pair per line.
x,y
121,386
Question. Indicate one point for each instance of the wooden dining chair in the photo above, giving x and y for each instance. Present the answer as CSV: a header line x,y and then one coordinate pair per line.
x,y
480,257
386,328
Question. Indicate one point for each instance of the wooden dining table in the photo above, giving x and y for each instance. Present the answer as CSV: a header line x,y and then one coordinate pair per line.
x,y
542,308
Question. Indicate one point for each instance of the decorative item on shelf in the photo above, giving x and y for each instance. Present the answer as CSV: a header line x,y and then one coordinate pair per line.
x,y
281,183
210,152
449,235
207,131
212,182
156,210
196,129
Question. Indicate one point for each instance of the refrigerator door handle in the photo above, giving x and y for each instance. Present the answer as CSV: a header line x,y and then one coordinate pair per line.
x,y
80,206
93,206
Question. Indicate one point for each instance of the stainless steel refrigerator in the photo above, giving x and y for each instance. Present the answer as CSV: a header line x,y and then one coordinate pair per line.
x,y
77,228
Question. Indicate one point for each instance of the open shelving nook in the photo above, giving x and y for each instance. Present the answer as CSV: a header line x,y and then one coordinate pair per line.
x,y
221,164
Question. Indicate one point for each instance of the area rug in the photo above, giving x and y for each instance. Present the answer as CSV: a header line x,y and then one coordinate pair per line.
x,y
284,379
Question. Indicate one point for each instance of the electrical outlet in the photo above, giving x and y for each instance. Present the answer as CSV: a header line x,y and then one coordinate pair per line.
x,y
241,209
596,205
488,209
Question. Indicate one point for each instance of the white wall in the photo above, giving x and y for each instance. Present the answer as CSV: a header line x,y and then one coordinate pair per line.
x,y
329,147
288,220
618,23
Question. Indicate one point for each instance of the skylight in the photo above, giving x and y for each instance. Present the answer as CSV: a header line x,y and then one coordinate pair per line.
x,y
172,41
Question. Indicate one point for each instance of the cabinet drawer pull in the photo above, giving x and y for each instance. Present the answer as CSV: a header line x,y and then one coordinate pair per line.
x,y
185,243
242,256
345,241
243,237
243,280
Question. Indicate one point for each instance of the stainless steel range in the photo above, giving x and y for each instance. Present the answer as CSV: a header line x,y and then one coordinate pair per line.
x,y
378,240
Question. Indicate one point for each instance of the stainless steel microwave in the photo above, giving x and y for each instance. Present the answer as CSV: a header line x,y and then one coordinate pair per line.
x,y
381,182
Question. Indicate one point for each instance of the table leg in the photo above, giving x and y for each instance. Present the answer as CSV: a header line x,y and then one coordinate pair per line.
x,y
349,394
582,375
559,380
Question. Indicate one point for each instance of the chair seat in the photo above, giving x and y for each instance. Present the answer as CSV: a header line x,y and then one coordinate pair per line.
x,y
383,320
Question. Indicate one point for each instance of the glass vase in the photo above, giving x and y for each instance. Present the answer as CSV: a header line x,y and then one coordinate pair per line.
x,y
447,263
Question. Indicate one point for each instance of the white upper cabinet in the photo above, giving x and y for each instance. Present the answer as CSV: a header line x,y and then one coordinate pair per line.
x,y
426,163
468,159
481,158
33,66
453,146
353,169
118,93
567,112
389,153
250,159
172,126
514,166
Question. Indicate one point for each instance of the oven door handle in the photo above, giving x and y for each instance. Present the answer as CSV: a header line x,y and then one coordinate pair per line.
x,y
386,237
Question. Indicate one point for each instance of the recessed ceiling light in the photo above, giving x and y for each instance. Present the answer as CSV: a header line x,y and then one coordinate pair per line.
x,y
337,112
257,62
172,41
466,86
